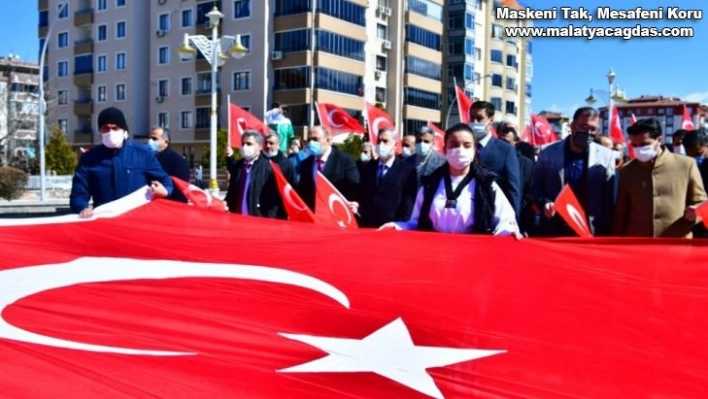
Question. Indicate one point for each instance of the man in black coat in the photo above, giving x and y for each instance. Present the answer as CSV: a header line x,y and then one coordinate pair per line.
x,y
252,187
388,186
527,217
337,166
273,153
174,164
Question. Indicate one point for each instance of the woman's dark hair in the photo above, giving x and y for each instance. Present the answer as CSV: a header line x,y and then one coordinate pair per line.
x,y
459,127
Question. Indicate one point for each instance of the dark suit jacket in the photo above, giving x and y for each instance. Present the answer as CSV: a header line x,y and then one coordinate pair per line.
x,y
390,199
176,166
340,169
499,157
286,167
526,219
263,198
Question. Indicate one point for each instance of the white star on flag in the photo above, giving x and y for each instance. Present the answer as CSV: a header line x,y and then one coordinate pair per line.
x,y
388,352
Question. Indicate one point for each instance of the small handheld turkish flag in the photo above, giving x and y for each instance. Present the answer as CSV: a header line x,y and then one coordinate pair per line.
x,y
331,208
201,199
294,205
337,120
568,206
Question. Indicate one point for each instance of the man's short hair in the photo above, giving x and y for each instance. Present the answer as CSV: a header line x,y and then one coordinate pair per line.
x,y
391,130
272,135
423,130
590,112
695,138
165,132
257,137
488,108
680,133
647,125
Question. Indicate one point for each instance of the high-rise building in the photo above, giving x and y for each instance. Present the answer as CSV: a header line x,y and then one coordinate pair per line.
x,y
488,65
123,53
19,110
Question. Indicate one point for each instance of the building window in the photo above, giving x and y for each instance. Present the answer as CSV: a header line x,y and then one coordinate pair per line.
x,y
380,63
290,7
422,37
426,8
669,112
186,86
455,20
120,92
101,62
101,94
292,41
101,33
469,46
528,90
246,42
241,81
497,80
478,54
413,125
83,64
382,31
163,55
62,68
341,9
456,46
120,30
163,22
469,21
63,10
242,9
341,82
185,119
120,3
101,5
510,108
120,61
163,88
340,45
455,71
425,68
529,48
163,119
381,94
469,71
187,18
421,98
497,56
203,117
63,40
291,78
496,102
63,97
510,84
511,61
63,125
497,31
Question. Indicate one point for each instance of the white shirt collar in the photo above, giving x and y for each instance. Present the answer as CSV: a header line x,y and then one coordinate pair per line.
x,y
325,155
485,140
388,163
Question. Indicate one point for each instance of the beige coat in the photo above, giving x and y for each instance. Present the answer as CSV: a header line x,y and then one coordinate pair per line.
x,y
652,198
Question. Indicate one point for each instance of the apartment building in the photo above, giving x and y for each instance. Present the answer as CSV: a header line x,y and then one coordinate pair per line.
x,y
19,110
124,53
488,65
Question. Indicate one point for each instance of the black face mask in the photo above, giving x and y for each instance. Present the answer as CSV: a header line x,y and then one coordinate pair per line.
x,y
582,139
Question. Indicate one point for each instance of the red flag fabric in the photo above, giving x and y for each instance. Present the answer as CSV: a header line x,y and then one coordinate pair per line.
x,y
166,301
568,207
439,143
687,121
331,207
337,120
83,150
527,135
634,119
241,120
464,105
295,207
378,119
542,131
201,199
616,133
702,213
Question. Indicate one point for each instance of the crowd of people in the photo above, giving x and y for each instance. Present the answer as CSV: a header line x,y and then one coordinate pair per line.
x,y
480,183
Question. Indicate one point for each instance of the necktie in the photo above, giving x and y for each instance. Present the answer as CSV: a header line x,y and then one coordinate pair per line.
x,y
382,172
480,148
320,165
242,187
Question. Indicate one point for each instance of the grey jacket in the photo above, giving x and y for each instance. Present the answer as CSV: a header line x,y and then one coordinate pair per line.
x,y
431,163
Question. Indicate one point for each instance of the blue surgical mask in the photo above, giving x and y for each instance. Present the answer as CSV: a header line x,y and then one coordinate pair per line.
x,y
153,146
479,129
423,148
315,148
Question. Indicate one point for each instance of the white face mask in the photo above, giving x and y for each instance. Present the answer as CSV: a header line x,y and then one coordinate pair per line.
x,y
384,151
646,153
114,138
365,157
460,158
248,152
678,149
407,152
423,148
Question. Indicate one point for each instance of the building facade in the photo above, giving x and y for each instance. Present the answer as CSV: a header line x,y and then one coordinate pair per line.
x,y
124,53
488,65
19,110
668,110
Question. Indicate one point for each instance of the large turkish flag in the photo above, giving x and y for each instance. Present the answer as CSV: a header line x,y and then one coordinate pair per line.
x,y
167,300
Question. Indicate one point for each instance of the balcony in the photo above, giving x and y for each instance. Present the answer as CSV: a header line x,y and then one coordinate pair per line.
x,y
83,78
83,107
83,46
83,17
202,97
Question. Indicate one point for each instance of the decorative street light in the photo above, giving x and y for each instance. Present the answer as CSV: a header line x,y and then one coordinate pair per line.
x,y
613,94
42,110
454,100
213,50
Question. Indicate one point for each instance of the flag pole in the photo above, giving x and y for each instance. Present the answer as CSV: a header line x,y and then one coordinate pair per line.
x,y
228,136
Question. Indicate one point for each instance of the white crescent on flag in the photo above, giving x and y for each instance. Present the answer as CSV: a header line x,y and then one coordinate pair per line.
x,y
330,117
288,195
377,122
334,198
577,218
240,124
26,281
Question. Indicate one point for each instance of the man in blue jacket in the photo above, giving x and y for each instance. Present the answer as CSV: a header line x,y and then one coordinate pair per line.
x,y
116,168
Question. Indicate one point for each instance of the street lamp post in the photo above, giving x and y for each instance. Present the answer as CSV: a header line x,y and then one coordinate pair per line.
x,y
42,110
213,51
454,100
612,95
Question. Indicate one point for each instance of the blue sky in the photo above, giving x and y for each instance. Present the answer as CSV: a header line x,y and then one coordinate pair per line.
x,y
564,69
